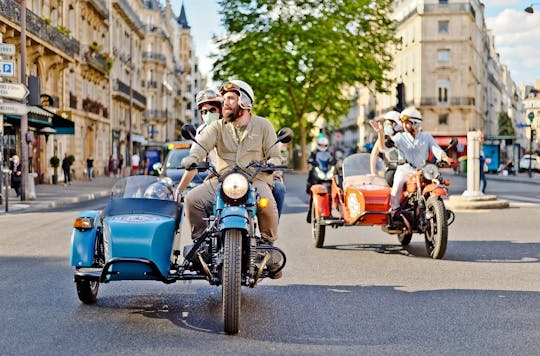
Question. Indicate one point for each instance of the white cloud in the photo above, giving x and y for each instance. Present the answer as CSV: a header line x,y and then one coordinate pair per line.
x,y
500,3
517,40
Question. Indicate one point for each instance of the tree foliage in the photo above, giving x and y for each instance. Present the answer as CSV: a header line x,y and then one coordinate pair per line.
x,y
505,125
301,56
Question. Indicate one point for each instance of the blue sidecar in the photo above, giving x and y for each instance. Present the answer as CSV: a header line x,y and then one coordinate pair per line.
x,y
131,239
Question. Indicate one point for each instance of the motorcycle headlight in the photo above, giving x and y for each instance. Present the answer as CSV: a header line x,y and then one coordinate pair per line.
x,y
235,186
320,174
430,172
330,173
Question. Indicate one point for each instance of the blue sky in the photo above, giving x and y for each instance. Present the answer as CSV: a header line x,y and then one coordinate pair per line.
x,y
517,33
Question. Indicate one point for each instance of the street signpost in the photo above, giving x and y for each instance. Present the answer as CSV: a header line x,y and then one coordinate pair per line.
x,y
7,49
17,91
531,119
7,68
13,109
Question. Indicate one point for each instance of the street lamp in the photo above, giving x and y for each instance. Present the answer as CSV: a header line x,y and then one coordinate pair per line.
x,y
529,9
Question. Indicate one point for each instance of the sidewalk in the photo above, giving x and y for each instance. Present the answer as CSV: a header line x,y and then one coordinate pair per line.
x,y
50,195
54,195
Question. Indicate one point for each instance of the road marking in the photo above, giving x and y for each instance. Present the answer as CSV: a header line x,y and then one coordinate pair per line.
x,y
294,202
518,198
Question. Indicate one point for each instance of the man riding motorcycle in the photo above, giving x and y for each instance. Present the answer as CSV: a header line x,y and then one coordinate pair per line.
x,y
239,139
318,158
414,146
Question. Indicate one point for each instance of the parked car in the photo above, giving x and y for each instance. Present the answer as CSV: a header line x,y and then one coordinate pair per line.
x,y
175,152
533,160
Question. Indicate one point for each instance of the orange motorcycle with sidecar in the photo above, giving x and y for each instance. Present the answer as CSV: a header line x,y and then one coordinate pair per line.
x,y
359,198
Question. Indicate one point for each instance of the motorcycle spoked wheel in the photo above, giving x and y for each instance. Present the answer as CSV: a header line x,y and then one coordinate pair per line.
x,y
436,234
87,291
317,229
232,277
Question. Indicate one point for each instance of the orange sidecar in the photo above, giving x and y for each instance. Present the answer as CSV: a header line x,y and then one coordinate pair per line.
x,y
356,198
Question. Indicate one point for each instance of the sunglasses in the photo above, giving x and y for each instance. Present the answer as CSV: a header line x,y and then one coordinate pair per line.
x,y
211,110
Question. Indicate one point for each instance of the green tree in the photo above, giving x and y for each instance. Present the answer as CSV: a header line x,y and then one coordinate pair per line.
x,y
301,57
505,125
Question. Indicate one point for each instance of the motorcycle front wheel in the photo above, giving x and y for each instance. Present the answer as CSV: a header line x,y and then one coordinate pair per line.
x,y
436,234
232,275
317,229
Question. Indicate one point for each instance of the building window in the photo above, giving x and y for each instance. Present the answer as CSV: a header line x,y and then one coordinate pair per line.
x,y
443,2
443,26
443,55
443,119
442,92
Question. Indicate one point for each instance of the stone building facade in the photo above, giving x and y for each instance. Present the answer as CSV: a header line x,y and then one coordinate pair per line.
x,y
105,68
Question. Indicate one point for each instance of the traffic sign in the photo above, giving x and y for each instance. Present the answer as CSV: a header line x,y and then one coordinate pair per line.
x,y
7,68
13,91
7,49
13,109
522,125
531,116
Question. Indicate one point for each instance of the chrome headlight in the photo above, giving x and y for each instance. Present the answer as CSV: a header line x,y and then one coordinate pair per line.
x,y
430,172
320,174
235,186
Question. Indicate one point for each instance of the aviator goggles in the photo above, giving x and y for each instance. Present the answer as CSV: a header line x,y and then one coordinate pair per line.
x,y
212,110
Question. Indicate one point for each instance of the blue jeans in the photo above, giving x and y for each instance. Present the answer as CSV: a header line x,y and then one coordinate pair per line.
x,y
278,192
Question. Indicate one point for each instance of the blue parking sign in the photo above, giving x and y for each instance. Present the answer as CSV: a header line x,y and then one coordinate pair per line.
x,y
6,68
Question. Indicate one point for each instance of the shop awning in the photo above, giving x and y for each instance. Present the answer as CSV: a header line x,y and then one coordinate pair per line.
x,y
40,118
444,140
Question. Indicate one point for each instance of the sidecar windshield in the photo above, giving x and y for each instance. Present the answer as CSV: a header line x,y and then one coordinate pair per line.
x,y
139,187
358,164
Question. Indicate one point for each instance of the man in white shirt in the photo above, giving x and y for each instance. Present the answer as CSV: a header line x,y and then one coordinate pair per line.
x,y
414,146
135,161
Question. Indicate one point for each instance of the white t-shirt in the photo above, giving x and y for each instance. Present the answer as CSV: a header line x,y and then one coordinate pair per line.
x,y
135,160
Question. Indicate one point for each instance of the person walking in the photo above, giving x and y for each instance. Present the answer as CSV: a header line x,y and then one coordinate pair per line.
x,y
120,167
112,166
66,167
483,162
135,160
90,167
15,166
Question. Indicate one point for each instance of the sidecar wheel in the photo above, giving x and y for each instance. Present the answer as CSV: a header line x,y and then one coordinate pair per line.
x,y
405,239
87,290
318,231
436,234
232,275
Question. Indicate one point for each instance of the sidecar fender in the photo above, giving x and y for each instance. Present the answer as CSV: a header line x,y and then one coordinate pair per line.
x,y
234,217
83,241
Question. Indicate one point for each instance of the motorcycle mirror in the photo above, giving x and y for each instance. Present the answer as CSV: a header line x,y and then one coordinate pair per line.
x,y
285,135
389,143
188,132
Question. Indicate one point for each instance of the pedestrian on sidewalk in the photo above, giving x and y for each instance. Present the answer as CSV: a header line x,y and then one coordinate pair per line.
x,y
120,165
135,160
90,167
483,162
112,166
66,167
15,167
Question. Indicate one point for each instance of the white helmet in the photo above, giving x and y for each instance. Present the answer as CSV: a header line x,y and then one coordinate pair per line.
x,y
392,116
247,97
208,96
412,114
322,143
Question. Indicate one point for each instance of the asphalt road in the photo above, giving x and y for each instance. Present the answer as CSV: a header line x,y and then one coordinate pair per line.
x,y
360,294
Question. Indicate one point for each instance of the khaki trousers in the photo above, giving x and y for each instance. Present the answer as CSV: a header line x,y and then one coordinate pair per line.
x,y
198,203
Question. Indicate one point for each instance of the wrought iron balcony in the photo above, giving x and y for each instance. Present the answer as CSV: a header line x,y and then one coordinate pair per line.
x,y
155,114
124,6
96,60
455,101
124,88
37,26
154,56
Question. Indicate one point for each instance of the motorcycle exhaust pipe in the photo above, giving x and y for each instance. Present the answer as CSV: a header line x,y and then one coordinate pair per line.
x,y
261,268
407,224
205,268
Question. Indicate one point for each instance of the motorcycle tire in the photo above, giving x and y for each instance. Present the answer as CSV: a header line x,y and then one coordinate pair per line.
x,y
87,290
436,235
232,277
317,229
